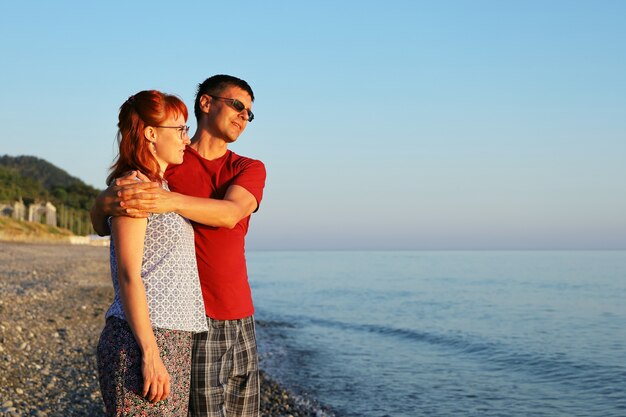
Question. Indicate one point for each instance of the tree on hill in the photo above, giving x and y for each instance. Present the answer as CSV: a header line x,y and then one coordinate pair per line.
x,y
32,179
16,187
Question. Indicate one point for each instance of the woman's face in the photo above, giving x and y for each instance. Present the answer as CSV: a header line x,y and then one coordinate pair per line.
x,y
170,141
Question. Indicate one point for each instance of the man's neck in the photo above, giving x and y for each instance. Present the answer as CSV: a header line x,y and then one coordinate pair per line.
x,y
207,146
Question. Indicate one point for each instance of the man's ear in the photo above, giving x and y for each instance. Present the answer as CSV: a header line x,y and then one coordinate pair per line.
x,y
205,102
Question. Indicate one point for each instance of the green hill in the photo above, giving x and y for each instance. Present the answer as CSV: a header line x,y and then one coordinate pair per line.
x,y
32,180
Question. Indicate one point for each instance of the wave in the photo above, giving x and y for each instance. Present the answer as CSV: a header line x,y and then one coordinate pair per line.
x,y
602,380
274,323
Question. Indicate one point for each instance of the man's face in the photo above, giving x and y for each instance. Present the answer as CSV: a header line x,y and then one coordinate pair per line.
x,y
223,119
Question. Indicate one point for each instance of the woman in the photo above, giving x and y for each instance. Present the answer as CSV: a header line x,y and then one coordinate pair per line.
x,y
144,352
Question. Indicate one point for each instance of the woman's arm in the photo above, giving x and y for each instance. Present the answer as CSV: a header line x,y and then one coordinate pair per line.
x,y
128,237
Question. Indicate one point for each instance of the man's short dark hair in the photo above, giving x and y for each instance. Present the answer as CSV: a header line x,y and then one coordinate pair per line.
x,y
215,85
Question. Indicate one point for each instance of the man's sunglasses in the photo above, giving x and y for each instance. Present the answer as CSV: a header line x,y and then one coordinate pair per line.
x,y
237,105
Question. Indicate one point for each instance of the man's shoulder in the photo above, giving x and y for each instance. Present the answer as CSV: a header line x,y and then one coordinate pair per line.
x,y
243,159
240,162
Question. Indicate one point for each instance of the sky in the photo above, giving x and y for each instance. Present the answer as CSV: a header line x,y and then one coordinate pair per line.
x,y
395,125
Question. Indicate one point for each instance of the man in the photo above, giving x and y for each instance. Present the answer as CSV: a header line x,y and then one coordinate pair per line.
x,y
218,190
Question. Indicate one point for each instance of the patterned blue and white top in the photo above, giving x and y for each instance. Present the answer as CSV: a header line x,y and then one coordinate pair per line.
x,y
169,273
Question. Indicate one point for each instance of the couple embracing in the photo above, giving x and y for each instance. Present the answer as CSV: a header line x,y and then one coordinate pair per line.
x,y
179,337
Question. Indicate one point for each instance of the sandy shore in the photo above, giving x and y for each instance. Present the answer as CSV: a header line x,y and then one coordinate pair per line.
x,y
52,303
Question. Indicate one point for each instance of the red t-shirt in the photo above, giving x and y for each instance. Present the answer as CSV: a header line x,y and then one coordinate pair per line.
x,y
220,251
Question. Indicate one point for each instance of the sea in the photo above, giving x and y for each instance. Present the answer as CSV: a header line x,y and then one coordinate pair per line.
x,y
445,333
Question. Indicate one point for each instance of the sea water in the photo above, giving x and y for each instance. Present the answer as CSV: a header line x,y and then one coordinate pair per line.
x,y
446,333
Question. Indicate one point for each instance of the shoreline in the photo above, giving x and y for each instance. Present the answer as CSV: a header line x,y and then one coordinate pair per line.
x,y
54,297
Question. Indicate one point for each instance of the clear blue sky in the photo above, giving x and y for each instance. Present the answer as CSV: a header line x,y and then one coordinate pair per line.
x,y
383,124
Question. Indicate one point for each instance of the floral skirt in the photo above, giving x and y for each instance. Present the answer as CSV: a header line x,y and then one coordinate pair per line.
x,y
119,371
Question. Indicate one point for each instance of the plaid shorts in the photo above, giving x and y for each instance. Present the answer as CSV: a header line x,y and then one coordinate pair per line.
x,y
224,370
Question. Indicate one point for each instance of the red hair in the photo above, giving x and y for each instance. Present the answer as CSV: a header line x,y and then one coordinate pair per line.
x,y
146,108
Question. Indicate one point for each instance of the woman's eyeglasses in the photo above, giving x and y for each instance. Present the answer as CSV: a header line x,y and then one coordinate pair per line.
x,y
237,105
184,130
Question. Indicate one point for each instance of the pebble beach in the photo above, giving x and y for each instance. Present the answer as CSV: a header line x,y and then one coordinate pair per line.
x,y
53,298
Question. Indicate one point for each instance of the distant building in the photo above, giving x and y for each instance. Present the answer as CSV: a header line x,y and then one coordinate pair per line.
x,y
45,213
15,210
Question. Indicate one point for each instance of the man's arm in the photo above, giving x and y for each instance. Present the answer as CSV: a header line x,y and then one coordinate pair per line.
x,y
237,204
98,217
